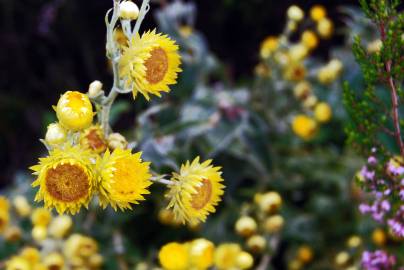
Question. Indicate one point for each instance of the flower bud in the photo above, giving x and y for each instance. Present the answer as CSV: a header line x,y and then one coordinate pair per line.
x,y
322,112
305,254
374,46
74,111
379,237
310,102
55,135
246,226
354,241
256,243
128,10
342,258
22,206
309,39
270,202
94,90
325,28
116,140
60,226
317,13
274,224
39,233
244,260
295,13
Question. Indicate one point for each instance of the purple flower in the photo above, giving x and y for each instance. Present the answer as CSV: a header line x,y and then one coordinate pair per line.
x,y
378,260
397,222
372,160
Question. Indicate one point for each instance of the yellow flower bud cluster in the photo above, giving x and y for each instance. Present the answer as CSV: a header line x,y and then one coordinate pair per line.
x,y
303,256
203,254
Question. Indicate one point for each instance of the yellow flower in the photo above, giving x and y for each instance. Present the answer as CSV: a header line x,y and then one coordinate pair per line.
x,y
273,224
318,12
310,101
150,64
325,28
39,233
41,217
17,263
124,178
246,226
21,206
93,139
295,13
379,237
174,256
268,46
31,254
4,213
54,261
309,39
226,256
12,234
195,191
295,72
256,243
354,241
81,246
298,52
245,260
374,46
65,179
304,127
60,226
201,253
305,254
74,111
302,90
323,112
270,202
342,258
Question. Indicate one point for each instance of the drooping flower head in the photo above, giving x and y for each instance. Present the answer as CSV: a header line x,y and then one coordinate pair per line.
x,y
74,111
196,190
65,178
124,178
150,64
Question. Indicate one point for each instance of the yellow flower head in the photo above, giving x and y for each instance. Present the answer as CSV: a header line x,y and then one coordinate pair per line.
x,y
54,261
78,245
305,254
4,213
65,179
41,217
304,127
268,46
150,64
124,178
31,254
226,256
174,256
93,139
74,111
295,72
323,112
318,12
201,253
245,260
17,263
22,206
325,28
196,190
309,39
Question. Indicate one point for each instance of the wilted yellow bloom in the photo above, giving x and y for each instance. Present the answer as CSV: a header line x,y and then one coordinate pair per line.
x,y
304,127
325,28
245,260
246,226
41,217
270,202
318,12
150,64
93,139
379,237
174,256
124,179
196,190
74,111
274,224
60,226
257,243
302,90
309,39
55,134
323,112
226,256
295,13
201,253
305,254
268,46
65,178
17,263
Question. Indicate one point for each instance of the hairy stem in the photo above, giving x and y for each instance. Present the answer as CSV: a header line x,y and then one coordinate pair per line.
x,y
394,97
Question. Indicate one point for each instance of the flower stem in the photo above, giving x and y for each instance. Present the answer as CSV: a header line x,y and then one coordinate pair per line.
x,y
143,11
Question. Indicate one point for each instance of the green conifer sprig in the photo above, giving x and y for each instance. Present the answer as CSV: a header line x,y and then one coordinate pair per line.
x,y
376,111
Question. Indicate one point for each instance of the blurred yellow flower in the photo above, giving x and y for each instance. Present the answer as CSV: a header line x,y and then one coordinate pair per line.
x,y
295,13
305,254
379,237
246,226
325,28
39,233
31,254
195,191
41,217
18,263
268,46
309,39
74,111
298,52
4,213
374,46
54,260
318,12
225,257
274,224
174,256
245,260
295,72
65,178
256,243
60,226
302,90
123,179
150,64
323,112
22,206
79,246
201,253
304,127
93,139
270,202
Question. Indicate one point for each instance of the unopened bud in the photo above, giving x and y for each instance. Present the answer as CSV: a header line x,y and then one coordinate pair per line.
x,y
116,140
128,10
94,90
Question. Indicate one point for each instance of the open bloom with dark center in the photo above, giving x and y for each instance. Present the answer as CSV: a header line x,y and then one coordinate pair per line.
x,y
150,64
65,178
195,191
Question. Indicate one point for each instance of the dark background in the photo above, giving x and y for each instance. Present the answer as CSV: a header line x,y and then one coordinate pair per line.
x,y
48,47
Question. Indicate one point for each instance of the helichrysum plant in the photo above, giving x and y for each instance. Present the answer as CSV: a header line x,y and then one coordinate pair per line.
x,y
376,125
86,158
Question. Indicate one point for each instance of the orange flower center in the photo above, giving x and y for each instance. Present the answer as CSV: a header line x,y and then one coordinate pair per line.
x,y
156,66
202,196
67,183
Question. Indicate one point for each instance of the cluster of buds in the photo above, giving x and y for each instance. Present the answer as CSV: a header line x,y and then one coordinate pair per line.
x,y
260,223
203,254
52,246
302,256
